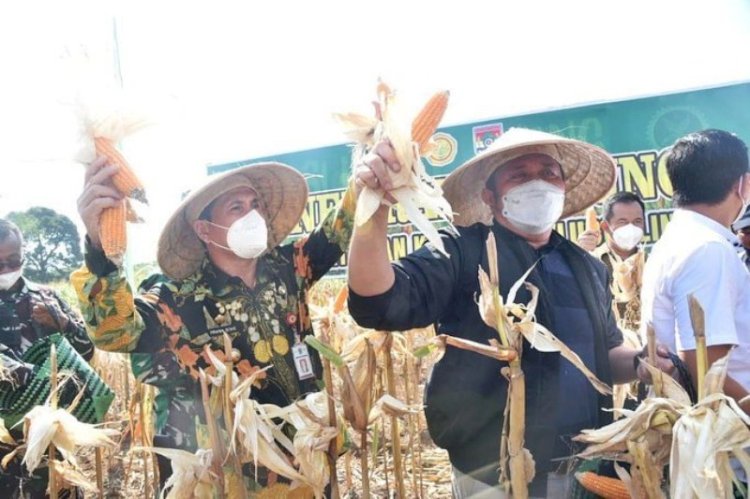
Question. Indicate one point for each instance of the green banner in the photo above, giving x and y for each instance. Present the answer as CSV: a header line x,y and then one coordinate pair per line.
x,y
636,132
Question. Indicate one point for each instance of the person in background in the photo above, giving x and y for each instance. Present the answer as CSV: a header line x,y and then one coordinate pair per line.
x,y
623,225
710,174
742,228
28,312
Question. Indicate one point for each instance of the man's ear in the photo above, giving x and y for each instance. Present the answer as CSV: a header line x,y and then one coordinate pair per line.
x,y
488,197
201,230
605,227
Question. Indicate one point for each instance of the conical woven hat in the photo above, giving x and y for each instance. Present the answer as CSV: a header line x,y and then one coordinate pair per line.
x,y
283,194
589,172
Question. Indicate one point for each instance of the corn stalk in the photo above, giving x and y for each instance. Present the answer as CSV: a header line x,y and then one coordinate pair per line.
x,y
657,381
699,331
53,403
228,420
512,447
395,432
213,434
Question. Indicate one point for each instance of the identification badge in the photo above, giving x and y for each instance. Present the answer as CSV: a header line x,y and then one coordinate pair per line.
x,y
302,361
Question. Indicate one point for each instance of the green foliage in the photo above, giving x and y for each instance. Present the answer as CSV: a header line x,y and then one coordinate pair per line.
x,y
52,246
66,292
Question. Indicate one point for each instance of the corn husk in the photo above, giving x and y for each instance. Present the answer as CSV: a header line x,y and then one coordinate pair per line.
x,y
538,336
5,436
68,476
412,187
697,441
254,433
44,426
191,473
626,391
312,438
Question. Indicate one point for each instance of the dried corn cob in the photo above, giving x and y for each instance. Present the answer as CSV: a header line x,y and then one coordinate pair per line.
x,y
112,233
592,220
125,179
428,119
603,486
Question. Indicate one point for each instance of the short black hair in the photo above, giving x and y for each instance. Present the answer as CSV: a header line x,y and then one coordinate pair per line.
x,y
703,166
8,228
622,197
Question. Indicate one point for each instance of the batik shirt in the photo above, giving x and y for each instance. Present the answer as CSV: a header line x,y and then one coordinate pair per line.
x,y
169,324
18,331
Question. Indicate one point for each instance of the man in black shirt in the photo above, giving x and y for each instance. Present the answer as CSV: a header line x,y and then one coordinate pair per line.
x,y
517,189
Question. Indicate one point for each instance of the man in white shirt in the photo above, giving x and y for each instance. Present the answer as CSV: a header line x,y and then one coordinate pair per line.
x,y
711,179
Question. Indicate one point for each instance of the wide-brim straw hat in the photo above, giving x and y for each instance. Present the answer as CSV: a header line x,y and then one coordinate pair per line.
x,y
589,172
283,195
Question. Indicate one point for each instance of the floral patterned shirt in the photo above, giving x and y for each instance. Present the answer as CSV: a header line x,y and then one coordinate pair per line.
x,y
169,325
18,329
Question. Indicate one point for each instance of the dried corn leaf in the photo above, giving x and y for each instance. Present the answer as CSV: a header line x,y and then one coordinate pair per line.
x,y
495,351
5,436
44,425
705,438
357,127
671,389
68,476
191,476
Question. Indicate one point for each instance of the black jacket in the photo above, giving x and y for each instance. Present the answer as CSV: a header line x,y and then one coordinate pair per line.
x,y
466,395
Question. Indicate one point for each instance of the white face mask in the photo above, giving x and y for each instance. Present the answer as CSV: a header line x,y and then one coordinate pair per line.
x,y
745,203
8,279
627,237
247,237
534,207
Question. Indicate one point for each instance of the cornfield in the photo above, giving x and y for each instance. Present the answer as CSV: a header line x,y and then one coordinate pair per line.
x,y
388,454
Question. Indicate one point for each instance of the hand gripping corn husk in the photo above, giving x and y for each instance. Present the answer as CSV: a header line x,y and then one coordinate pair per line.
x,y
515,322
106,121
697,441
413,188
624,391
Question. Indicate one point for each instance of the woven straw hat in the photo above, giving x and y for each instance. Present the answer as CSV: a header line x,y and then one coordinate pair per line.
x,y
589,172
283,194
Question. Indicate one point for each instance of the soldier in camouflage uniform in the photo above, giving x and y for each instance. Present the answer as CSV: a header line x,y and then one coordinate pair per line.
x,y
28,312
225,270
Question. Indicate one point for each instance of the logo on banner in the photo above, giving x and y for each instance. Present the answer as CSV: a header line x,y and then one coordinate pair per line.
x,y
444,151
485,135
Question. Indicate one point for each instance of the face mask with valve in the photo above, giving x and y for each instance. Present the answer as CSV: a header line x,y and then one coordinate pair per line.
x,y
534,207
247,237
627,237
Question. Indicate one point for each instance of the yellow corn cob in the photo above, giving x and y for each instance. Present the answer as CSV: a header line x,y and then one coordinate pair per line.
x,y
603,486
125,180
428,119
112,233
340,301
592,220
